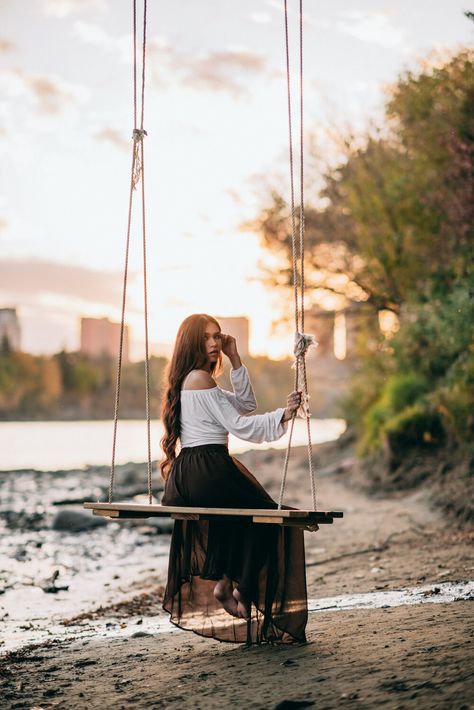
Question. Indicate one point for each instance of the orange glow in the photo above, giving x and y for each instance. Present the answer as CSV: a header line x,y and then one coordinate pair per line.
x,y
389,323
340,336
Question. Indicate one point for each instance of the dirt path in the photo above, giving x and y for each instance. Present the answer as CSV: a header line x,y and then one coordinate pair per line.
x,y
410,656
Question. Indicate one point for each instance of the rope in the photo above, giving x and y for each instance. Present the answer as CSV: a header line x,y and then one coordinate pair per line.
x,y
292,181
293,239
302,340
137,173
145,307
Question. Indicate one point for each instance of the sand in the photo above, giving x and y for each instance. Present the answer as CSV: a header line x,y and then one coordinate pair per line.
x,y
408,656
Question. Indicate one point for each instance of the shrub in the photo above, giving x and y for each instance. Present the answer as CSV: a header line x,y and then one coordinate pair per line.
x,y
414,426
400,391
454,400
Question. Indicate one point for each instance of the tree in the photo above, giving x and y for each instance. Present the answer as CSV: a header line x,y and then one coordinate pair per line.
x,y
397,220
394,226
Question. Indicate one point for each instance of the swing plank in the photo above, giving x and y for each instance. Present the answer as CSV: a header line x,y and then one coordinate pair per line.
x,y
270,516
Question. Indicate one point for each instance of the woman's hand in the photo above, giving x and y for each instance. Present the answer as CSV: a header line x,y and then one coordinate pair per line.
x,y
293,401
229,348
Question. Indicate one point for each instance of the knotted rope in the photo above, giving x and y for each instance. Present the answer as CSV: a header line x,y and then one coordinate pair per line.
x,y
137,136
303,341
137,175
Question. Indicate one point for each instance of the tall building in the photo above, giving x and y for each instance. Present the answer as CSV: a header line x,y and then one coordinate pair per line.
x,y
238,327
9,328
100,336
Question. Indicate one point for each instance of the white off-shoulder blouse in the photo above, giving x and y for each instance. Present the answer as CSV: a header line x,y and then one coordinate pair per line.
x,y
208,415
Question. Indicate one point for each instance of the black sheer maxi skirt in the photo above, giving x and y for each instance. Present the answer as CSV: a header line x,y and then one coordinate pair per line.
x,y
265,561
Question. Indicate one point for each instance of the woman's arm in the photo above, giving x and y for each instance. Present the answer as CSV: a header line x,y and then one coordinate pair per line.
x,y
255,428
243,396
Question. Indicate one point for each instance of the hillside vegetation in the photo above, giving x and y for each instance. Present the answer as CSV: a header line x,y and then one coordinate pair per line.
x,y
395,231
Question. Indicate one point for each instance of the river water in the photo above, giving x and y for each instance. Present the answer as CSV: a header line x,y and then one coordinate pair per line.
x,y
48,446
49,468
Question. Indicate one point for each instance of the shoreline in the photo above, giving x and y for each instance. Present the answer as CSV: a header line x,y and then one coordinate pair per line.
x,y
384,542
89,441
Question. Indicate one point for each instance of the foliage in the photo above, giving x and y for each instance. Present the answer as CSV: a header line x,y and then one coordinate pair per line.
x,y
397,220
71,385
413,426
27,382
394,226
398,395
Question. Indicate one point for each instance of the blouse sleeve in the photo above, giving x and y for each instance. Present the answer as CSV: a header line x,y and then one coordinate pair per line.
x,y
243,397
255,428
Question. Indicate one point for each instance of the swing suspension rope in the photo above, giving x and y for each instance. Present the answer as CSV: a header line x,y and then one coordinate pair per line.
x,y
137,175
302,340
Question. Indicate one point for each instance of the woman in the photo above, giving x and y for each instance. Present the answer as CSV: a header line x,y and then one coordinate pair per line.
x,y
230,579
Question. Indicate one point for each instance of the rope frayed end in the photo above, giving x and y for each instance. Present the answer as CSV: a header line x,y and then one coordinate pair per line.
x,y
303,341
138,135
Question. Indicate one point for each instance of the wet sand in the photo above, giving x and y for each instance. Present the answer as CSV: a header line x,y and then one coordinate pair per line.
x,y
403,657
418,656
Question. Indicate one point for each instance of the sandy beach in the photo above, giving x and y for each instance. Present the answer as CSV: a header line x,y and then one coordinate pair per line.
x,y
115,647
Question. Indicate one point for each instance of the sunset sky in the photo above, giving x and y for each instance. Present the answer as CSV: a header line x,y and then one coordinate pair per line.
x,y
217,140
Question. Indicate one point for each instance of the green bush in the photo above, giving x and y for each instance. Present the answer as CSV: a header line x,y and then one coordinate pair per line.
x,y
434,334
402,390
373,424
399,392
367,382
414,426
454,400
430,362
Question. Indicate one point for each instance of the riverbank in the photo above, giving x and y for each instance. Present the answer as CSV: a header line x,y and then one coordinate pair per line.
x,y
116,647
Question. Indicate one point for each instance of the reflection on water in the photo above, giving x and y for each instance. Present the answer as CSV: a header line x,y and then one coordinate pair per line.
x,y
60,445
429,593
45,629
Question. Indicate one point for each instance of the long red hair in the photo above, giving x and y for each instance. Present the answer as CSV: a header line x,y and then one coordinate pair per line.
x,y
189,354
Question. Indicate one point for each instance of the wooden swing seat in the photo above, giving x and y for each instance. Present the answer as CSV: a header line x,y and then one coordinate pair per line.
x,y
293,518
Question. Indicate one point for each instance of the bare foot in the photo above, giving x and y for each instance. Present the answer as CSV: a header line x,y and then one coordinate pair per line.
x,y
223,594
243,607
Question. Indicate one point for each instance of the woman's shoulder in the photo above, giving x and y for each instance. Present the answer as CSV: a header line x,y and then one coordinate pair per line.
x,y
198,380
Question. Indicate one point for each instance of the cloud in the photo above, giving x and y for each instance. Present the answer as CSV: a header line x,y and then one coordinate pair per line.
x,y
111,135
51,97
6,46
293,11
32,278
220,71
225,70
94,35
64,8
372,27
234,195
40,93
261,18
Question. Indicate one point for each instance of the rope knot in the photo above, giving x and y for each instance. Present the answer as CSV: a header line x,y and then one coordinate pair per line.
x,y
303,341
138,134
